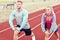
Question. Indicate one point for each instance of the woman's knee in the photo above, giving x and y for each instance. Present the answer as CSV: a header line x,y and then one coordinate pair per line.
x,y
46,35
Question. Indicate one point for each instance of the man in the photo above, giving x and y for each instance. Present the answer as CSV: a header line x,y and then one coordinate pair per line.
x,y
21,16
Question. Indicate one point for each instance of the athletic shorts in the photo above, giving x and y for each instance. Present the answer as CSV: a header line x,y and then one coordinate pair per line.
x,y
27,31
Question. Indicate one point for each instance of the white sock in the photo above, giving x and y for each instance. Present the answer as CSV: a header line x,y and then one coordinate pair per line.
x,y
57,39
33,37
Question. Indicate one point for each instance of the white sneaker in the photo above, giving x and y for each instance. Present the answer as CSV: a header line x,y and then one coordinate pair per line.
x,y
58,39
33,37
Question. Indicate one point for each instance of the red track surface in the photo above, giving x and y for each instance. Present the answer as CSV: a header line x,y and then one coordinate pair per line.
x,y
8,35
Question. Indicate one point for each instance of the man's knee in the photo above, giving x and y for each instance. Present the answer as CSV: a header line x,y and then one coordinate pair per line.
x,y
32,34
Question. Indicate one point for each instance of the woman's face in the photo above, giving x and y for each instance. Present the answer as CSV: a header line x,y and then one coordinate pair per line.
x,y
48,11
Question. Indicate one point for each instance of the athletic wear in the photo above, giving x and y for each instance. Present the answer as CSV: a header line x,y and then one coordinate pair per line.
x,y
48,22
21,18
54,26
27,31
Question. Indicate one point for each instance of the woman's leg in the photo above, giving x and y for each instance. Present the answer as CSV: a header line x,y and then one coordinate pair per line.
x,y
57,35
46,35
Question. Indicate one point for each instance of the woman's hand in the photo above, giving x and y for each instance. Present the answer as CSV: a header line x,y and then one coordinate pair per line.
x,y
47,32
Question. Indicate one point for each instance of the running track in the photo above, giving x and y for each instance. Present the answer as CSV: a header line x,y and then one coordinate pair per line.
x,y
35,21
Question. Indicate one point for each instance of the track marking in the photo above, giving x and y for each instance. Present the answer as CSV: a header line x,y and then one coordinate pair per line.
x,y
29,19
31,29
36,27
52,33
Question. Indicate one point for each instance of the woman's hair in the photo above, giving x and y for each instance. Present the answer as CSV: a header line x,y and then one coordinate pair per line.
x,y
51,8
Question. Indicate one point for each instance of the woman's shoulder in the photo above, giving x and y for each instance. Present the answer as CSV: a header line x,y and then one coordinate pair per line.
x,y
44,14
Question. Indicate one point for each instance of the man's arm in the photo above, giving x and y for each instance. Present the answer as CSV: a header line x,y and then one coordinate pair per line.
x,y
11,20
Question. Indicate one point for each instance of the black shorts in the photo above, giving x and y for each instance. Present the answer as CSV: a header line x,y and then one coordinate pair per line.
x,y
27,31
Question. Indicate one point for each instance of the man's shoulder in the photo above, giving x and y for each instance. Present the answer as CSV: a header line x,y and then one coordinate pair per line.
x,y
25,10
13,12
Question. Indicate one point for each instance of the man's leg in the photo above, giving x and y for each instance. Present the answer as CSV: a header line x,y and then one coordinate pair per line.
x,y
33,36
28,32
15,35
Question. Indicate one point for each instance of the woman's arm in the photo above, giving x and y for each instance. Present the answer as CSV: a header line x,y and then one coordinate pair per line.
x,y
54,18
42,23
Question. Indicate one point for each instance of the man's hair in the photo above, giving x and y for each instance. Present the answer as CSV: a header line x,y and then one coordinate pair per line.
x,y
20,1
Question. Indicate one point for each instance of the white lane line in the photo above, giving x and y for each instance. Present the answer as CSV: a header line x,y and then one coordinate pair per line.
x,y
35,28
35,17
53,32
29,19
4,29
31,29
57,7
10,27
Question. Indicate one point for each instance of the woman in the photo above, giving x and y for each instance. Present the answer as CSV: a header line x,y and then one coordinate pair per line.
x,y
49,23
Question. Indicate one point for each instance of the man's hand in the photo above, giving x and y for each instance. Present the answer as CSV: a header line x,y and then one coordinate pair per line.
x,y
16,30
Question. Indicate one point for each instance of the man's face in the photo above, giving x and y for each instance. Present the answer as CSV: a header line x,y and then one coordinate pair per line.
x,y
18,5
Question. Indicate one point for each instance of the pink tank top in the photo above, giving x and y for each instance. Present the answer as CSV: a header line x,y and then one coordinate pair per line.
x,y
48,22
